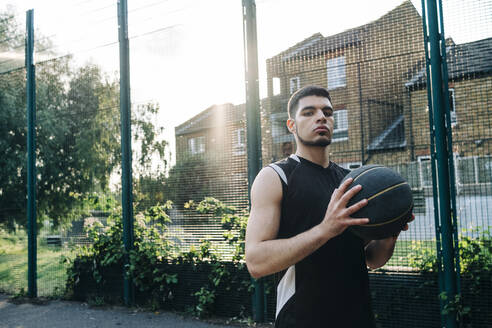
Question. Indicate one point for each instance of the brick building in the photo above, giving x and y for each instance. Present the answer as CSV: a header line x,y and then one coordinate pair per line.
x,y
365,69
470,91
376,76
216,140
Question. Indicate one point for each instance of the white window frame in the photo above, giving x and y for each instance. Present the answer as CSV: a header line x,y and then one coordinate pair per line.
x,y
421,159
336,73
476,173
196,145
335,117
476,169
294,84
239,146
452,109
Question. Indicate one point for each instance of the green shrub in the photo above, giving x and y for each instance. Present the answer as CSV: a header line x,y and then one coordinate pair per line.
x,y
97,271
104,258
475,256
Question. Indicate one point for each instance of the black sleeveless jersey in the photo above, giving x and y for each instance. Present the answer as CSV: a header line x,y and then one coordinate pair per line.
x,y
330,287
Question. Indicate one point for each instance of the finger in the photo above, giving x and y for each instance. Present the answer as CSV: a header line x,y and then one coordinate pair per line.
x,y
335,193
412,218
349,194
343,187
357,206
405,228
352,221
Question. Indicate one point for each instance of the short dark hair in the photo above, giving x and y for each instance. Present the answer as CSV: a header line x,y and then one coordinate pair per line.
x,y
310,90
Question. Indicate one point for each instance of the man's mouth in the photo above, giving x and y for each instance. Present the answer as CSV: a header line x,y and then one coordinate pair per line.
x,y
321,129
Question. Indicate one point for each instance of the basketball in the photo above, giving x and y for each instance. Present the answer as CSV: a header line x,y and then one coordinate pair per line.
x,y
389,205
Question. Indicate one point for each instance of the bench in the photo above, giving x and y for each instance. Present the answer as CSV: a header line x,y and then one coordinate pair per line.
x,y
54,240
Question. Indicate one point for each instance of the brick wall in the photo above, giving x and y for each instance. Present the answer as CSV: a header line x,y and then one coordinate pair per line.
x,y
472,133
376,69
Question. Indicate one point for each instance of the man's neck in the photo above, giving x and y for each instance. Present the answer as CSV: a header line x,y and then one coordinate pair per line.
x,y
318,155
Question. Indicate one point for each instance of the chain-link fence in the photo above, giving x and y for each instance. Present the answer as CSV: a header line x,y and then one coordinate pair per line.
x,y
12,267
189,142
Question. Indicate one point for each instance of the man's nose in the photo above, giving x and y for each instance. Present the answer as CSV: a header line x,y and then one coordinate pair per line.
x,y
320,116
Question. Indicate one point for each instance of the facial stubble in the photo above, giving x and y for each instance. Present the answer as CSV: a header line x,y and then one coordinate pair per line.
x,y
317,143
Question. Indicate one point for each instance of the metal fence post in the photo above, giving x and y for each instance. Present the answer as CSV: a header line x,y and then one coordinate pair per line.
x,y
442,157
126,150
437,223
253,123
32,289
454,218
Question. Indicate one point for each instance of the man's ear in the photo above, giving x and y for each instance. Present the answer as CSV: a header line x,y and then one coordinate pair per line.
x,y
291,125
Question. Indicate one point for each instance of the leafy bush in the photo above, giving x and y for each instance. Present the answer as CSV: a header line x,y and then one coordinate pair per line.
x,y
155,264
104,258
475,272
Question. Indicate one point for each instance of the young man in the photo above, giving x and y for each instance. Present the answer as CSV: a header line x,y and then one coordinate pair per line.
x,y
298,228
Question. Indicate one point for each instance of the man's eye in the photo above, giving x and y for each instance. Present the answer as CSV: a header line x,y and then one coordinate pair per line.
x,y
328,114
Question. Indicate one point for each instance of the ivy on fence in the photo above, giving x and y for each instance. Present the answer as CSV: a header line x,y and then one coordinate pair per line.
x,y
156,265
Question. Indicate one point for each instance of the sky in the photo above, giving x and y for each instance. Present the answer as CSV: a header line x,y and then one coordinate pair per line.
x,y
187,55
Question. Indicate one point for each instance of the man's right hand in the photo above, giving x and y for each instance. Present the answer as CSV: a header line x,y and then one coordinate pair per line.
x,y
337,217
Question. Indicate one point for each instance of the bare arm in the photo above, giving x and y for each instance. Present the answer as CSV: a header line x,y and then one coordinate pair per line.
x,y
265,254
378,252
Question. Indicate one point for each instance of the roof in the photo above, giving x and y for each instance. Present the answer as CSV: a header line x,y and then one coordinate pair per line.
x,y
317,44
214,116
391,138
300,47
464,60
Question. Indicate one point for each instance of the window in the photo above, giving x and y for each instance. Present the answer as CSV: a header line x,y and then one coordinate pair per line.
x,y
340,131
335,70
279,127
197,145
425,171
452,110
239,142
484,169
276,86
295,84
473,169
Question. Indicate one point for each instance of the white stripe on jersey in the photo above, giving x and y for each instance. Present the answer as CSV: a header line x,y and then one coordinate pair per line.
x,y
286,288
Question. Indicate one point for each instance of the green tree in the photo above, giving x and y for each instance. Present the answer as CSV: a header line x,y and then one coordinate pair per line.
x,y
77,138
12,147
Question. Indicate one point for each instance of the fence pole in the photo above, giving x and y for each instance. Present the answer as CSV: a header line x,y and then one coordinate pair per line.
x,y
450,151
253,123
126,149
438,103
32,288
435,193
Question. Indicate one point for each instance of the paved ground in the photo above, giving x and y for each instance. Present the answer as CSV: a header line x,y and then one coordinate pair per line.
x,y
63,314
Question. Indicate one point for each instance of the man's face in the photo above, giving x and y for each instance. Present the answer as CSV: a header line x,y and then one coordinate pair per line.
x,y
313,123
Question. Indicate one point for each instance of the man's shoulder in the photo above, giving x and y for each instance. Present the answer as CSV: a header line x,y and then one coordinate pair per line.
x,y
285,167
291,161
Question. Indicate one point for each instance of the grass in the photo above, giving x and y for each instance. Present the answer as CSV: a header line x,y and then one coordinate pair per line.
x,y
404,248
51,273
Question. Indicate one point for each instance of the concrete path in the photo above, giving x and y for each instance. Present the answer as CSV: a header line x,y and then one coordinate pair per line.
x,y
64,314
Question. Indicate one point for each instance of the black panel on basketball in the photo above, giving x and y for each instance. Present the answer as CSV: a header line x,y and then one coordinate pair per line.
x,y
390,201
